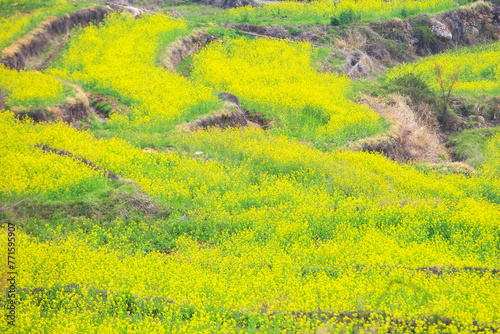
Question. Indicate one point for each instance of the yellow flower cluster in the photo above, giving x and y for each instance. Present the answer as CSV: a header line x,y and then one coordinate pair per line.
x,y
479,69
118,58
277,78
323,10
30,88
12,26
241,284
26,169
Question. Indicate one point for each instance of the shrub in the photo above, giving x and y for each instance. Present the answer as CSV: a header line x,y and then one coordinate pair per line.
x,y
334,21
413,86
404,12
344,17
426,39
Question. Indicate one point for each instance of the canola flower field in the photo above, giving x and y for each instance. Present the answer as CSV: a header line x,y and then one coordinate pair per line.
x,y
108,61
265,232
277,77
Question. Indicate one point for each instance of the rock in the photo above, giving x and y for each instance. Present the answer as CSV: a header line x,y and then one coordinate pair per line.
x,y
229,99
227,3
236,3
475,32
477,119
358,65
441,30
254,125
496,13
222,121
134,11
308,36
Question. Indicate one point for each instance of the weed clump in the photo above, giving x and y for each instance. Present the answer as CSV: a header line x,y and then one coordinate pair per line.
x,y
427,41
344,17
413,86
102,107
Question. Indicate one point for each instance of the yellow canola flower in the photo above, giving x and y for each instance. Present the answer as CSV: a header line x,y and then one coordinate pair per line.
x,y
241,278
287,247
30,88
14,25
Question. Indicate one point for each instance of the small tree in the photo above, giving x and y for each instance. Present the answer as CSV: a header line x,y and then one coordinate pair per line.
x,y
446,84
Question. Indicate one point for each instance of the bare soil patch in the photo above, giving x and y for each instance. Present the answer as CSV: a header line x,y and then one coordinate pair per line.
x,y
104,106
69,113
232,115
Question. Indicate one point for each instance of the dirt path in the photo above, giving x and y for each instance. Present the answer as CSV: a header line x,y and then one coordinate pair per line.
x,y
267,2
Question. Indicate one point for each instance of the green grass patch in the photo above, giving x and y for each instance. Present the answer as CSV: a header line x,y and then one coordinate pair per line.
x,y
185,66
194,13
470,146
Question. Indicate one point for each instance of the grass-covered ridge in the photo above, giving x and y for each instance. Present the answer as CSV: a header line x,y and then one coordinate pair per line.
x,y
16,24
335,13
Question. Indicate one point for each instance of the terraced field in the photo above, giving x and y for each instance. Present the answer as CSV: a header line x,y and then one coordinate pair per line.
x,y
319,167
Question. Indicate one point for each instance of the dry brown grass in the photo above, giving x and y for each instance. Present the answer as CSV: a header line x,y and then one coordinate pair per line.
x,y
411,137
352,40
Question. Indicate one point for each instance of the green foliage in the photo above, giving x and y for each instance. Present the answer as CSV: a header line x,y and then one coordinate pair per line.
x,y
185,66
411,85
103,107
111,210
426,39
294,31
470,146
334,21
344,17
404,12
225,33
